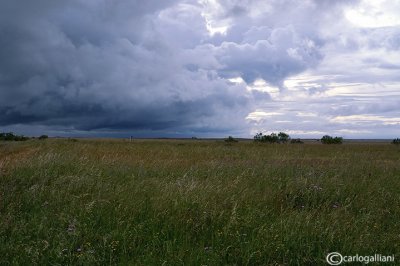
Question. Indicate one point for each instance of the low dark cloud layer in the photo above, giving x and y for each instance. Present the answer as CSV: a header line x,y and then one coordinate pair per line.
x,y
167,66
108,65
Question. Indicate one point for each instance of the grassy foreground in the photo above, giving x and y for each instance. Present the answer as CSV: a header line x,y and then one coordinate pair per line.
x,y
104,202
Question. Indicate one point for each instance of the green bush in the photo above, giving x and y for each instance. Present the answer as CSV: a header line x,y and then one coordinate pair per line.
x,y
331,140
42,137
258,137
281,137
396,141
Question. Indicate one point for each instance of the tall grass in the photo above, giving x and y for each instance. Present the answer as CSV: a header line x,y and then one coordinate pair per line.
x,y
195,202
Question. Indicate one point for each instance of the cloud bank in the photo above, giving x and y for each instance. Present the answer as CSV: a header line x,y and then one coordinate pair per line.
x,y
206,68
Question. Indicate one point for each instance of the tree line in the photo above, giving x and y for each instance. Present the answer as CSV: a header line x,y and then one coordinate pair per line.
x,y
280,137
283,137
10,136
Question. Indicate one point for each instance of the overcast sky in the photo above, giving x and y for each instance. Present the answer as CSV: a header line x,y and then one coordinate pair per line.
x,y
208,68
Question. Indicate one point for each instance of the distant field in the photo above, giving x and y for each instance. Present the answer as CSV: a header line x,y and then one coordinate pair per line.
x,y
190,202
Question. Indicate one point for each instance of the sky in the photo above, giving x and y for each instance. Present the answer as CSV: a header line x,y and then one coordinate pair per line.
x,y
206,68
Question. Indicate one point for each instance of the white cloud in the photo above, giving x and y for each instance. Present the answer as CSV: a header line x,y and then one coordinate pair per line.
x,y
359,119
375,13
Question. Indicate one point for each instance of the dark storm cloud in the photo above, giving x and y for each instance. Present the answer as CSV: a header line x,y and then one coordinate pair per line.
x,y
107,65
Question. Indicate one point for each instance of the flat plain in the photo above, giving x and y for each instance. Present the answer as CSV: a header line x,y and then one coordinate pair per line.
x,y
196,202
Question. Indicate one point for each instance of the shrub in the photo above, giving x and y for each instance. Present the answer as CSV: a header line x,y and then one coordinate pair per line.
x,y
338,140
326,139
258,137
230,139
272,138
43,137
283,137
396,141
331,140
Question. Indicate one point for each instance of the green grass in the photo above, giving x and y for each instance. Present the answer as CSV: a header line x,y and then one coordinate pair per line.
x,y
161,202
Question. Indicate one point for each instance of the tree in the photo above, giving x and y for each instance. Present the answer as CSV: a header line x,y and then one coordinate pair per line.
x,y
42,137
11,137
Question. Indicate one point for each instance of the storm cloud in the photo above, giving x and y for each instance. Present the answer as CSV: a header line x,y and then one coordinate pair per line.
x,y
182,67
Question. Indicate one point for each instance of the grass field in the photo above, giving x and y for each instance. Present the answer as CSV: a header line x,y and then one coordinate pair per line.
x,y
176,202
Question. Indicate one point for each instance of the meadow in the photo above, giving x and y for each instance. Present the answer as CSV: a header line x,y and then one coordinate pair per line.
x,y
196,202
